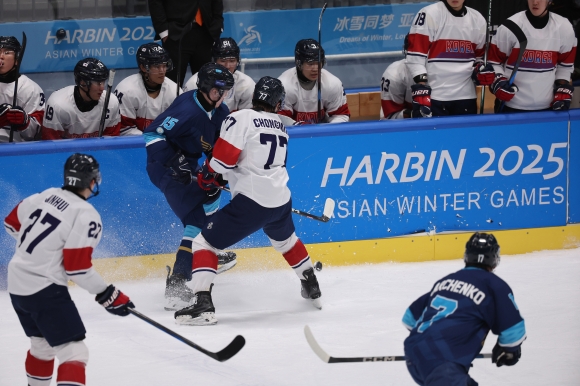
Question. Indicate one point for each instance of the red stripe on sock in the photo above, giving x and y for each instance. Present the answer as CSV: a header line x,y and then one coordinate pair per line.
x,y
37,367
73,371
204,259
296,254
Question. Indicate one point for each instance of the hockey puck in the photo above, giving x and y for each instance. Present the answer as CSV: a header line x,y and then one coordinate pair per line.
x,y
318,266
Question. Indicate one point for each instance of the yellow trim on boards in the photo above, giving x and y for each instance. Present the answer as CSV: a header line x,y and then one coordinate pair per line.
x,y
413,248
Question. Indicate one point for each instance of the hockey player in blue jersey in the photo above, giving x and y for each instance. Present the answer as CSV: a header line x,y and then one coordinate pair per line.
x,y
449,324
175,141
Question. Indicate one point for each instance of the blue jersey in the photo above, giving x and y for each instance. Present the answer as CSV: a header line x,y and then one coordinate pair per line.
x,y
186,127
450,323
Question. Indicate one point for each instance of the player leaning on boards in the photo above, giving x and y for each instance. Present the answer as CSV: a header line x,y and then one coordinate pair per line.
x,y
26,116
227,53
251,153
543,78
75,111
300,83
446,47
449,324
175,142
143,96
56,232
396,100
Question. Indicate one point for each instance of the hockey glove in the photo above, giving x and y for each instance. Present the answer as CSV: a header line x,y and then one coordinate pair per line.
x,y
181,170
18,117
502,90
208,179
562,96
483,74
421,94
508,356
114,301
4,108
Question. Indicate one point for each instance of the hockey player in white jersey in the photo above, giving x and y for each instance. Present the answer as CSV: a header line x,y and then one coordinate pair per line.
x,y
227,53
25,117
143,96
56,232
396,100
301,85
75,111
543,78
251,154
446,47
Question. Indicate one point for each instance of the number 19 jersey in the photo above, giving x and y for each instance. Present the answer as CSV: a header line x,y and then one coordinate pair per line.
x,y
56,232
251,154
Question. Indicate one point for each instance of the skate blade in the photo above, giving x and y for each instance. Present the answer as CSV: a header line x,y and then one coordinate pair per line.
x,y
205,319
227,266
317,303
176,304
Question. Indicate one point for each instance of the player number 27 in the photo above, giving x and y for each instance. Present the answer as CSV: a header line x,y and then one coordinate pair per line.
x,y
445,307
47,219
265,138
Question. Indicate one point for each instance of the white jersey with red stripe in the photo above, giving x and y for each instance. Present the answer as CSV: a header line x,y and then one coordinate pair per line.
x,y
240,97
396,90
31,98
445,47
251,154
302,105
138,109
63,119
56,232
549,55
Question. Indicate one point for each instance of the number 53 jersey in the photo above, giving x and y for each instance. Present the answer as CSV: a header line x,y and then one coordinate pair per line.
x,y
56,232
450,323
251,154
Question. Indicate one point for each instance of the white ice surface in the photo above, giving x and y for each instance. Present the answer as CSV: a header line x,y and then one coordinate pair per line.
x,y
361,316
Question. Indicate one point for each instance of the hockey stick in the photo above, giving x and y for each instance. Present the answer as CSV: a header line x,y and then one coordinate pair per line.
x,y
20,56
320,115
523,41
328,359
185,30
487,44
106,105
221,356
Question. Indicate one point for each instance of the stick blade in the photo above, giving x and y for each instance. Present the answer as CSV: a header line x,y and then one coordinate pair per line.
x,y
329,208
315,346
231,349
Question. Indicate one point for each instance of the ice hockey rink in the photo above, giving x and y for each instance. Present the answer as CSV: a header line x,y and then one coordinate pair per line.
x,y
361,316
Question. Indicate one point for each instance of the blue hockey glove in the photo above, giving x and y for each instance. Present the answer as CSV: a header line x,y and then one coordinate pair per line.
x,y
182,172
421,94
208,179
562,96
114,301
508,356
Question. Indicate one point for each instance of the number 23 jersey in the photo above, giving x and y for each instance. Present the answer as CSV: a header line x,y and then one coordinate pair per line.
x,y
56,232
251,154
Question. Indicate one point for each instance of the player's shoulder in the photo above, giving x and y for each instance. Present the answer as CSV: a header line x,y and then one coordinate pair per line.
x,y
395,70
331,81
191,83
476,15
62,96
26,83
289,75
132,82
562,24
434,10
243,79
169,84
113,102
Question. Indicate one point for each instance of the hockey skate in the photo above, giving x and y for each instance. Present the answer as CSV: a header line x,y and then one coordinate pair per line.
x,y
177,294
226,261
201,313
310,288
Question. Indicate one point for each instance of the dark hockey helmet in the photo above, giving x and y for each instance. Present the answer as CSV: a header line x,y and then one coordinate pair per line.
x,y
270,91
482,249
213,75
80,170
226,48
11,43
307,51
150,54
90,69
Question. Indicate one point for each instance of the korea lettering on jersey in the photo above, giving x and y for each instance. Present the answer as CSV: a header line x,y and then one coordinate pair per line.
x,y
396,90
56,232
63,119
549,55
137,108
302,105
240,97
251,153
31,98
445,47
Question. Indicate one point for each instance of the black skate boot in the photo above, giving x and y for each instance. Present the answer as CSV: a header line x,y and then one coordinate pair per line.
x,y
177,294
310,288
226,261
201,313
